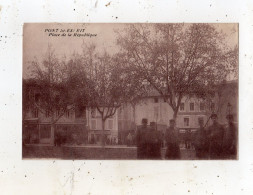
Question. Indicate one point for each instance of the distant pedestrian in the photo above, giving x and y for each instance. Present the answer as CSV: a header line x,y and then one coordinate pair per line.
x,y
215,135
129,139
153,141
172,141
201,142
188,139
57,138
230,138
141,140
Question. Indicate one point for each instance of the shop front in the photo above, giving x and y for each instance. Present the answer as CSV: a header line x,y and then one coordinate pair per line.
x,y
96,136
30,131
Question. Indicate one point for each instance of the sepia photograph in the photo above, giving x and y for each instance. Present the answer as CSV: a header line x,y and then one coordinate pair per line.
x,y
130,91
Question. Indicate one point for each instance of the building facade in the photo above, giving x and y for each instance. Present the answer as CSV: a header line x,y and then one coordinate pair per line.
x,y
191,110
94,124
72,126
83,125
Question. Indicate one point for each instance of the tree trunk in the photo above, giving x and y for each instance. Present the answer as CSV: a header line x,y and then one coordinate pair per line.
x,y
175,115
134,114
103,133
52,141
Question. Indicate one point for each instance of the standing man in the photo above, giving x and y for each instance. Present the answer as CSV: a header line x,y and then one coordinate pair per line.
x,y
201,142
172,141
230,138
129,139
215,135
141,140
153,141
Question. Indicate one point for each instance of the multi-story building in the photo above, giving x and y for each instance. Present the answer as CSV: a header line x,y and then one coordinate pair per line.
x,y
81,124
37,121
94,124
85,124
191,110
155,109
37,126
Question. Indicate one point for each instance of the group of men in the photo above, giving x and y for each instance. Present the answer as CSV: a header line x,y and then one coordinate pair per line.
x,y
217,141
149,141
214,142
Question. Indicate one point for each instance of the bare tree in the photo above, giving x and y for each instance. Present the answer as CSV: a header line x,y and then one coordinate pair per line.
x,y
56,83
105,87
177,59
135,89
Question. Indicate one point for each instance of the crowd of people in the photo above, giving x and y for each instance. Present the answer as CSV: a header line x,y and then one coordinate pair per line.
x,y
213,142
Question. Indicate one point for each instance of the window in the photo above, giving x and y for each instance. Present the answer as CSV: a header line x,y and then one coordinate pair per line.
x,y
110,124
120,113
36,97
111,111
93,124
202,106
191,106
80,112
67,114
35,113
93,113
201,119
45,131
186,122
156,99
47,114
182,107
58,113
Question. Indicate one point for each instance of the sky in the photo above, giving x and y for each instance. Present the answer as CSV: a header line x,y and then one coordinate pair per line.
x,y
36,38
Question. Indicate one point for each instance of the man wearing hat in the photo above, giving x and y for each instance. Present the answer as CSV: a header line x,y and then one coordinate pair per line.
x,y
200,141
172,141
141,140
230,138
215,135
154,142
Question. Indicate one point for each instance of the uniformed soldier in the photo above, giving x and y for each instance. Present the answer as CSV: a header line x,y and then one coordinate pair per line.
x,y
141,140
215,135
200,141
230,138
172,141
153,141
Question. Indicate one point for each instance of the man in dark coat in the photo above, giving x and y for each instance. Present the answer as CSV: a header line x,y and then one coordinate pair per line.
x,y
215,135
230,139
141,140
172,141
201,142
153,141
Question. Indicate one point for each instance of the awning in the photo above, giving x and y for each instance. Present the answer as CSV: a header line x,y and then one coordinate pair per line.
x,y
31,121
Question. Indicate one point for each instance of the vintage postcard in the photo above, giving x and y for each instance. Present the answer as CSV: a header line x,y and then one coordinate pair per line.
x,y
126,97
140,91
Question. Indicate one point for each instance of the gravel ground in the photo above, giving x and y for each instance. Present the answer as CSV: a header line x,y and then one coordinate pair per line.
x,y
90,152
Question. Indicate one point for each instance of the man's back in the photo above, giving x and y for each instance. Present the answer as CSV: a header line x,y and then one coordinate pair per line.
x,y
215,138
216,133
171,135
141,132
141,142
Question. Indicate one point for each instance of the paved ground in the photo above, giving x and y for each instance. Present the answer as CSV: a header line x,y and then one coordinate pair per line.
x,y
90,152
